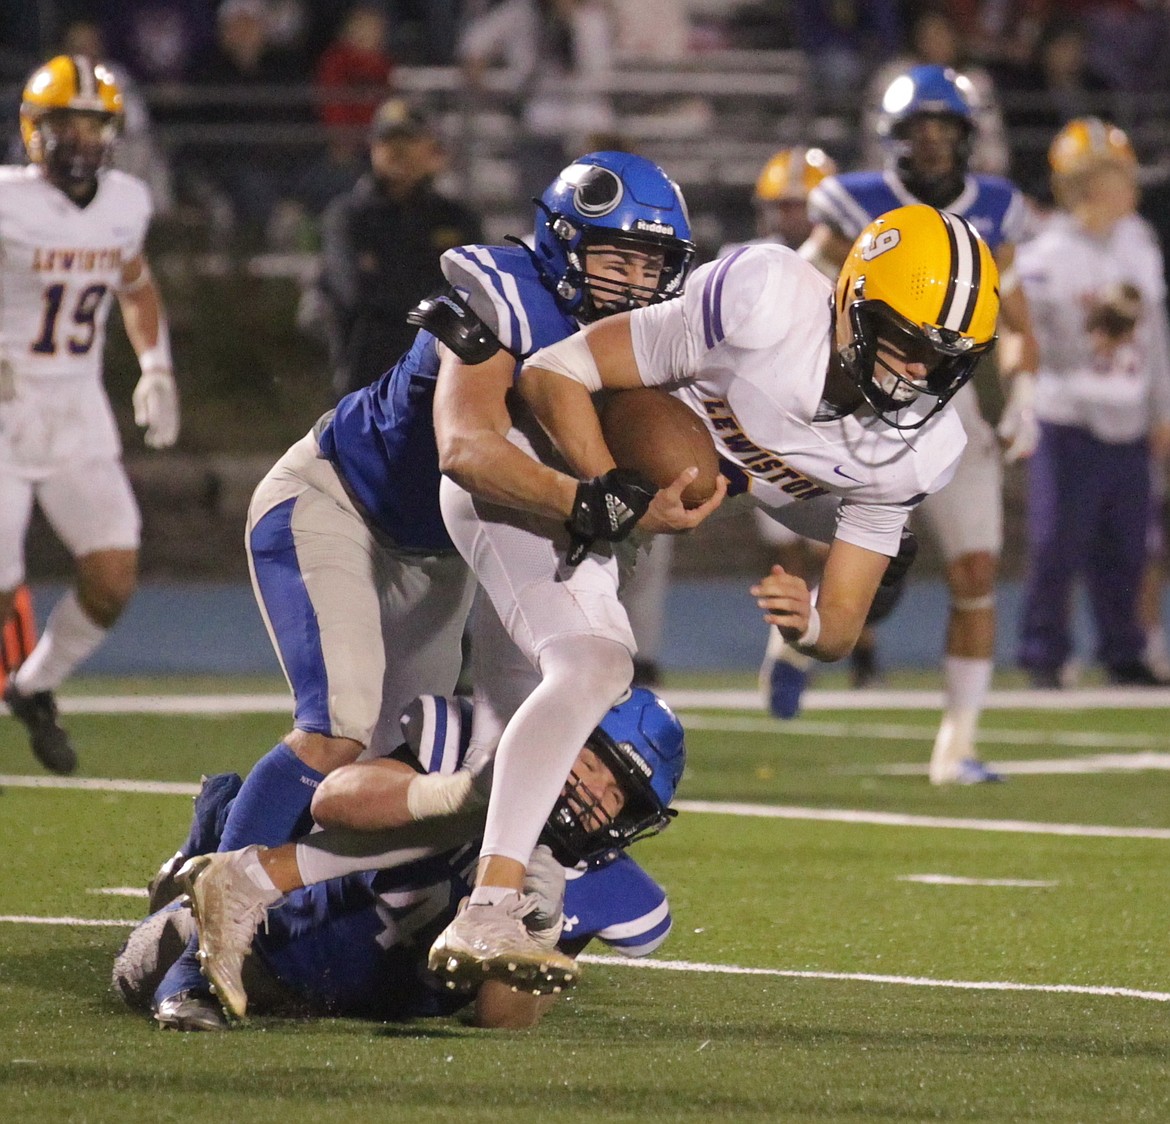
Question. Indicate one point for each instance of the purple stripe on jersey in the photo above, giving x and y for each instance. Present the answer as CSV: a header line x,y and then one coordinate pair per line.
x,y
499,284
712,295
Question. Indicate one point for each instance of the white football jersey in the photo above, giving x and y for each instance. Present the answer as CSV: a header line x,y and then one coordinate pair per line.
x,y
60,265
747,348
1065,272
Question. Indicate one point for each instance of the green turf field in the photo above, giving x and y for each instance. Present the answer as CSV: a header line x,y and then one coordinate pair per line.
x,y
823,966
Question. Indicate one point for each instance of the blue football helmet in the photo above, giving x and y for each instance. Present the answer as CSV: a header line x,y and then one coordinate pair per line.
x,y
934,91
612,199
642,743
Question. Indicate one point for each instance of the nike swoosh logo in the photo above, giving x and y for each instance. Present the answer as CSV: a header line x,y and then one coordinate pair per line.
x,y
839,472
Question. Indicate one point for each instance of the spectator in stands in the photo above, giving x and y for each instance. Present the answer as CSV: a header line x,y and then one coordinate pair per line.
x,y
935,40
244,76
1094,280
158,40
382,243
357,61
845,40
554,56
347,74
1044,94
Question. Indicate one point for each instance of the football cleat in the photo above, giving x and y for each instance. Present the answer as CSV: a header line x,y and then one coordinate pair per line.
x,y
491,942
968,771
164,886
188,1010
50,743
228,907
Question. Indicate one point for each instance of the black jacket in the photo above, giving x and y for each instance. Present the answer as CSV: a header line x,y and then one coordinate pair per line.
x,y
379,259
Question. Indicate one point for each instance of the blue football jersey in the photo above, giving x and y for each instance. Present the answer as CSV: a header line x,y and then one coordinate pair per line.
x,y
358,945
382,438
849,203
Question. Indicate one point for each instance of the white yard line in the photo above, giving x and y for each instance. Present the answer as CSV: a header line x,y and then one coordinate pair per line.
x,y
736,970
898,819
1099,698
711,807
956,880
895,731
102,784
868,977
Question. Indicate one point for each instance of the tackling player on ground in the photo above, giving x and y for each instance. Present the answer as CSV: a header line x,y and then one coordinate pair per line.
x,y
71,238
357,944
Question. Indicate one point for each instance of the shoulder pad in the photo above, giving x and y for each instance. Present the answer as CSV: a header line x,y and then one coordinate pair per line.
x,y
450,320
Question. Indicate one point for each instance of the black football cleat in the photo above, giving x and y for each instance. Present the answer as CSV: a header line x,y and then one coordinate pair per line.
x,y
50,743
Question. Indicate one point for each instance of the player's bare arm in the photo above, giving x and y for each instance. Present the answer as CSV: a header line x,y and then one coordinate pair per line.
x,y
829,630
156,398
471,430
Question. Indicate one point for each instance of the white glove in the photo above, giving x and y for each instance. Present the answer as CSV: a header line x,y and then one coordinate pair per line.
x,y
544,883
1018,429
156,408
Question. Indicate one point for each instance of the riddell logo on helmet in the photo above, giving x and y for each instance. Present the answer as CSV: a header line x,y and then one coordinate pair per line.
x,y
654,227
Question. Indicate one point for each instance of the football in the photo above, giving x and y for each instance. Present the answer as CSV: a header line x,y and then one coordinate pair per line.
x,y
648,430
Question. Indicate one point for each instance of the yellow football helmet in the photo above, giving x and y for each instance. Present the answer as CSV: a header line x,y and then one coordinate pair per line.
x,y
69,84
792,173
1088,141
920,286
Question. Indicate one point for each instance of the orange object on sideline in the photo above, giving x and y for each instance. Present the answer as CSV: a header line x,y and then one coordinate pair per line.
x,y
19,635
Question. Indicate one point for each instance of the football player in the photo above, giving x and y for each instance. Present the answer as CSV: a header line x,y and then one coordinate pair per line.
x,y
357,945
71,242
824,405
1096,280
929,122
359,584
780,202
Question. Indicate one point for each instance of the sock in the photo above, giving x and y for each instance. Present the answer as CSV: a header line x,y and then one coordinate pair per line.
x,y
258,876
967,684
183,975
69,637
272,807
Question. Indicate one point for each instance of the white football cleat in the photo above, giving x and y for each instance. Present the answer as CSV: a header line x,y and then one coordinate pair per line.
x,y
492,942
229,907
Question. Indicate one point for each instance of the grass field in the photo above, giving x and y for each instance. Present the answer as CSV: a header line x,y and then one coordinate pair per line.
x,y
861,948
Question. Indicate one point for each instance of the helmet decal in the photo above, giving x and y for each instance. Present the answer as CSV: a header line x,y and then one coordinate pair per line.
x,y
597,191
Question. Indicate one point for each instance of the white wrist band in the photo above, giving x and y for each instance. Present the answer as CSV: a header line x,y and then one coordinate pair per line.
x,y
808,639
438,794
158,357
